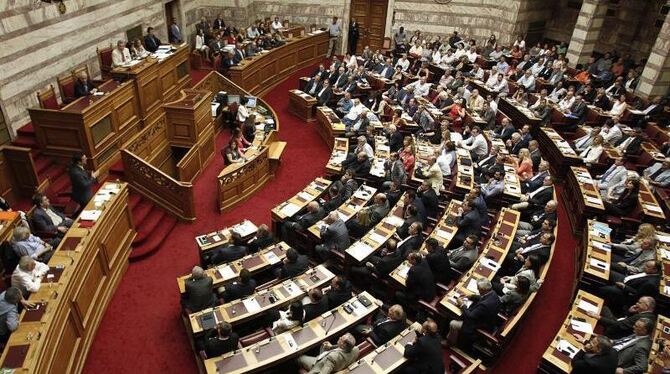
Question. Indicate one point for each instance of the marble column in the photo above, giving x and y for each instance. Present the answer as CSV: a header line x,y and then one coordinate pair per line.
x,y
586,32
655,79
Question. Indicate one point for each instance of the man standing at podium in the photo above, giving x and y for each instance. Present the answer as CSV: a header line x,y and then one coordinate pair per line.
x,y
82,180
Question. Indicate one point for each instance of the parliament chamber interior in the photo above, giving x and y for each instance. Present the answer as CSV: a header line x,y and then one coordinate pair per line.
x,y
356,186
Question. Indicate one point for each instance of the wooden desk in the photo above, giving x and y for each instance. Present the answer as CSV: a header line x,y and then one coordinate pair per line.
x,y
512,186
520,115
261,73
157,80
382,154
377,237
557,151
388,357
289,208
488,263
219,238
256,305
339,154
301,105
444,231
84,273
230,272
8,221
596,254
349,208
465,177
582,198
555,360
329,125
650,207
660,333
293,343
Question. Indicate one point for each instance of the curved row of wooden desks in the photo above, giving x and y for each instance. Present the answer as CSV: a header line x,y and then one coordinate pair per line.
x,y
84,272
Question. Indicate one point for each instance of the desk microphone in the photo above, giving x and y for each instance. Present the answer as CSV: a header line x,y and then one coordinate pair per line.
x,y
332,322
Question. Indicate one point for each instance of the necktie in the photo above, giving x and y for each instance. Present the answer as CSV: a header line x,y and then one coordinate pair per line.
x,y
655,174
123,56
607,174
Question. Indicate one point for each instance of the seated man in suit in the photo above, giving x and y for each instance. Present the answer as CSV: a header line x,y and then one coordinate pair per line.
x,y
536,181
615,174
120,54
630,144
413,240
634,264
462,258
515,260
341,190
262,239
633,287
227,62
533,237
425,354
469,223
537,199
151,41
597,356
478,313
314,304
420,283
304,221
239,289
199,294
369,216
48,220
83,86
221,340
325,93
314,85
384,327
334,234
659,173
360,164
438,260
331,358
526,227
634,349
619,327
339,293
388,259
228,253
293,265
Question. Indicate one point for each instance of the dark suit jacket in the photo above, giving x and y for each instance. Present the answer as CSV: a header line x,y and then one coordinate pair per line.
x,y
336,235
469,224
439,263
534,183
199,295
578,110
420,282
644,286
339,297
308,219
634,147
410,245
42,222
384,330
291,270
540,199
429,200
260,243
325,96
425,356
480,315
543,252
151,43
507,132
83,88
238,290
634,358
618,328
385,264
228,254
82,184
215,347
313,310
604,363
395,142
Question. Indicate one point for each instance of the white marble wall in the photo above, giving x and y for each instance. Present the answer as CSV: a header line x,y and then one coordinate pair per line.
x,y
39,44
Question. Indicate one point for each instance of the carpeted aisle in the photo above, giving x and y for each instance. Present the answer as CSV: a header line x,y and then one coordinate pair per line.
x,y
142,331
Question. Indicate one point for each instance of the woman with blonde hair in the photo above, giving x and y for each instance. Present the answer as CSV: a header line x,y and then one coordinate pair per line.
x,y
524,165
632,246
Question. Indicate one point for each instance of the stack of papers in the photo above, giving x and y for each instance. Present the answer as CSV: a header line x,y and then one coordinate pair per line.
x,y
487,262
293,289
377,238
653,208
587,307
289,209
472,286
245,228
226,271
581,326
568,349
599,264
602,246
395,221
252,305
305,196
271,257
90,215
359,250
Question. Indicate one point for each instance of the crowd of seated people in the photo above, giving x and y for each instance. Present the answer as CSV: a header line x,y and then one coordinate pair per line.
x,y
431,98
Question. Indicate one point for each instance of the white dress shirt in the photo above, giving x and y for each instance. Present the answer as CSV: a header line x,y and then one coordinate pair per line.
x,y
477,144
591,154
29,281
119,58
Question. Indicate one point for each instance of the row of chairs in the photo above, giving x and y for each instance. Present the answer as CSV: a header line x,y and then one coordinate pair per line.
x,y
47,98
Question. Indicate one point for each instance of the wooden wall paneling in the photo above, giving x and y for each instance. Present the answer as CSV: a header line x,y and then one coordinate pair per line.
x,y
19,162
238,184
7,181
67,346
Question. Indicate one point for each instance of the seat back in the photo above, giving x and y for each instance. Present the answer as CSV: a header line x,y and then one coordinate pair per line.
x,y
83,69
105,61
66,87
47,98
254,338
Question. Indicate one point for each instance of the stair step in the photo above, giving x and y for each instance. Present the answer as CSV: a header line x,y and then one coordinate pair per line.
x,y
117,168
25,141
53,172
61,183
27,130
41,164
133,200
141,210
147,227
155,240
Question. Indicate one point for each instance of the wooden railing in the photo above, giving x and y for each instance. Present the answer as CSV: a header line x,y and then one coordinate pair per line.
x,y
196,158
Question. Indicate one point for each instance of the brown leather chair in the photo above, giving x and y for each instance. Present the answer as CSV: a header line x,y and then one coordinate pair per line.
x,y
105,60
47,98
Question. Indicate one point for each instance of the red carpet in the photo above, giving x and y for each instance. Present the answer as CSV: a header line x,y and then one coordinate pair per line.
x,y
142,329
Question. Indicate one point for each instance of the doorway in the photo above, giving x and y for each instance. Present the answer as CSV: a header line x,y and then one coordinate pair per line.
x,y
371,18
172,11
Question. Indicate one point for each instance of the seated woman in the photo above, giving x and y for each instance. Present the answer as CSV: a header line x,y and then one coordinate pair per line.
x,y
408,155
242,143
524,165
512,300
631,247
455,112
289,319
520,96
397,119
231,154
592,153
619,106
626,202
200,44
137,49
530,270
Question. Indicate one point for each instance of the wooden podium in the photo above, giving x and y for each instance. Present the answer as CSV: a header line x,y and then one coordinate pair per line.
x,y
301,104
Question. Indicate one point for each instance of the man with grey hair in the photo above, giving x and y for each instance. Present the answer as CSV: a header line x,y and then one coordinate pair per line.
x,y
619,327
198,293
120,54
334,234
634,349
478,312
27,276
27,244
597,356
331,358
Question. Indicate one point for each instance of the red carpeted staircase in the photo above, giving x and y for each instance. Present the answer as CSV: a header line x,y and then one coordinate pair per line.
x,y
152,222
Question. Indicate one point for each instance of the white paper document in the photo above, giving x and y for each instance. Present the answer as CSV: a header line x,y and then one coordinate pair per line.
x,y
289,209
395,221
444,234
226,271
581,326
271,257
653,208
587,307
377,238
359,251
472,285
403,271
288,338
599,264
293,289
305,196
568,349
252,305
603,246
90,215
